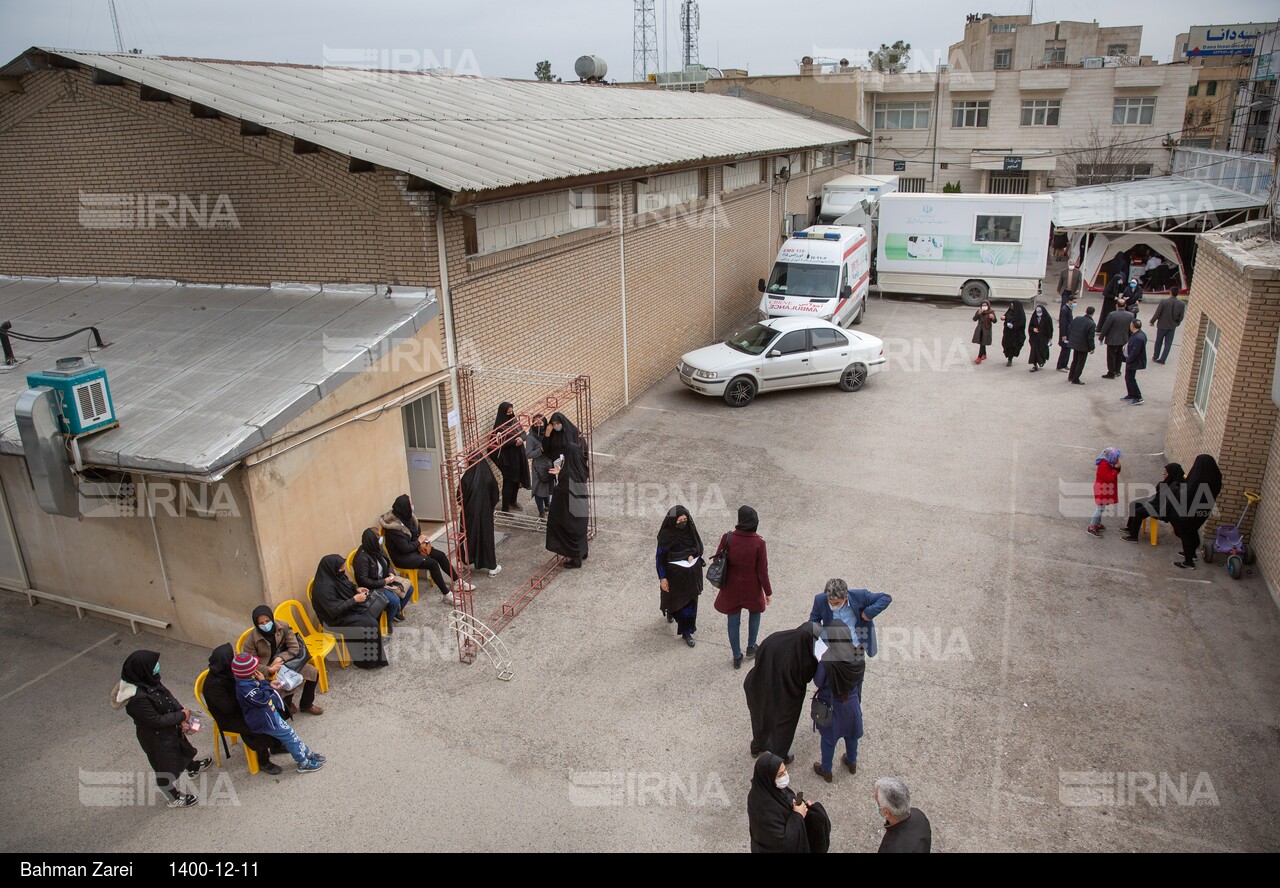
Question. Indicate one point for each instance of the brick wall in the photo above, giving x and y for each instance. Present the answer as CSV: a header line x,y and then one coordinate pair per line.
x,y
1237,287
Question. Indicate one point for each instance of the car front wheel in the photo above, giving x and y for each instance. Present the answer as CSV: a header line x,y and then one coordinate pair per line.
x,y
740,391
853,378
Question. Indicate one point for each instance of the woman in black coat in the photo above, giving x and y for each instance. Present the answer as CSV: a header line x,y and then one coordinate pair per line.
x,y
570,508
680,581
161,724
349,611
220,697
777,822
510,459
1204,483
1040,334
404,540
1014,336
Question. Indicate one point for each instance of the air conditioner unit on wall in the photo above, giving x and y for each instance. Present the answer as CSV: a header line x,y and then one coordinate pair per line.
x,y
84,398
1095,62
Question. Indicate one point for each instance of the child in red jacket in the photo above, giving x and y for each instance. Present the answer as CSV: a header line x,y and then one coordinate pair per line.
x,y
1105,489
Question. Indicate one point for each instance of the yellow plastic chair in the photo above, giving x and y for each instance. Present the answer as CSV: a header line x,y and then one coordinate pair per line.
x,y
319,643
1153,524
240,642
409,573
232,738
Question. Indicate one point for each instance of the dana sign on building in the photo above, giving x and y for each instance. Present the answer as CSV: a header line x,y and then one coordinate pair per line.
x,y
1205,40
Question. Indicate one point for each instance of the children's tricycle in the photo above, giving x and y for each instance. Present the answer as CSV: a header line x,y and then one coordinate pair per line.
x,y
1230,542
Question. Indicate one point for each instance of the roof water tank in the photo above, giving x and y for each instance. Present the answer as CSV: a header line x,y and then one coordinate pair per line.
x,y
590,67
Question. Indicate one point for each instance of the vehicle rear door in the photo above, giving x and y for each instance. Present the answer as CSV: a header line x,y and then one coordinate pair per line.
x,y
829,356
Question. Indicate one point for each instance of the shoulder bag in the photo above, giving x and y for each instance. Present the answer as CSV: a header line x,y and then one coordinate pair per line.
x,y
820,711
719,564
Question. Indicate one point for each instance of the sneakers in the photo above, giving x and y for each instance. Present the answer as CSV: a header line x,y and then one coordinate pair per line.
x,y
1127,398
198,767
309,765
447,597
1076,382
1128,538
316,757
1135,402
737,662
1185,565
464,586
399,617
1092,530
688,639
1063,370
270,767
1101,526
495,571
751,651
182,801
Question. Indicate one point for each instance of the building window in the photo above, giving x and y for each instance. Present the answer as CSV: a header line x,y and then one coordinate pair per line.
x,y
1193,90
1009,183
1118,49
903,116
1105,173
1004,59
513,223
1211,88
970,114
742,175
822,157
660,192
1055,52
997,229
1134,111
1003,27
911,186
1208,357
1040,112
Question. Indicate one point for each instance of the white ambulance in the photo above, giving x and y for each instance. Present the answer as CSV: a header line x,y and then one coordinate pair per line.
x,y
821,272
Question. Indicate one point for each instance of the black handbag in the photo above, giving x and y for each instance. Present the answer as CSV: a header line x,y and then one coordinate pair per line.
x,y
297,663
821,712
719,564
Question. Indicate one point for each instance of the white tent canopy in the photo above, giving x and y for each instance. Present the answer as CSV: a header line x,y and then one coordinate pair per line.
x,y
1103,248
1165,204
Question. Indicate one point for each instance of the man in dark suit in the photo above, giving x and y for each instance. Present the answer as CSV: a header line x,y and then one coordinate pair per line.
x,y
1081,341
1065,316
856,608
1135,359
1114,333
1169,314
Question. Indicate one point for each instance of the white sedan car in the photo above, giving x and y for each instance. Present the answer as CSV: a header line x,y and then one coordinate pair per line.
x,y
782,353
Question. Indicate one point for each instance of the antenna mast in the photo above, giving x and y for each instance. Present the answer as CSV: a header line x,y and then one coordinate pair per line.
x,y
690,22
115,25
644,54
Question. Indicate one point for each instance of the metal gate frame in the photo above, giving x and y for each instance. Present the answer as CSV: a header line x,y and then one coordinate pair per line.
x,y
566,392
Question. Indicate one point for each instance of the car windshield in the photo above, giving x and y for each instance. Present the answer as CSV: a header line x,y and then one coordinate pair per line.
x,y
802,279
753,340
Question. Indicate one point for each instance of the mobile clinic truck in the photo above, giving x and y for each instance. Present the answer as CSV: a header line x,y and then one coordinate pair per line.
x,y
821,272
976,246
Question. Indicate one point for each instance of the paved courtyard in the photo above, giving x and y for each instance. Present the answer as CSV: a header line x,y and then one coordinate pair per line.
x,y
1037,689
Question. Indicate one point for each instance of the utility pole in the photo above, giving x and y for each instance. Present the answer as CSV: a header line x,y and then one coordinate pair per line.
x,y
690,22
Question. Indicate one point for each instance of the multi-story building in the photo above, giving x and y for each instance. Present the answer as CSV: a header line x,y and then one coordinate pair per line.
x,y
1014,43
1255,124
1217,103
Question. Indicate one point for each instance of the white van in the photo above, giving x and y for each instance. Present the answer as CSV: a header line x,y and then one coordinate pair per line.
x,y
821,272
976,246
844,193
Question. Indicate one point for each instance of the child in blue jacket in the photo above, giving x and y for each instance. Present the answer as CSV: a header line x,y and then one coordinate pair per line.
x,y
262,705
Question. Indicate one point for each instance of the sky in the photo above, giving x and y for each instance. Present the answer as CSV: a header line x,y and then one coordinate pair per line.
x,y
506,38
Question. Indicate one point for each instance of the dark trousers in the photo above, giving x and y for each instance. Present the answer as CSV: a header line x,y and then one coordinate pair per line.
x,y
510,490
1190,537
1077,365
437,563
1164,342
982,350
543,503
1115,353
1131,383
1138,510
1064,358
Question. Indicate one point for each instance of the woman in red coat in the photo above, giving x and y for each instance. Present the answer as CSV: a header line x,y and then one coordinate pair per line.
x,y
746,582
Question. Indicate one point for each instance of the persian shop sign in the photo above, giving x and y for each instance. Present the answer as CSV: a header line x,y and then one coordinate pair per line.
x,y
1206,40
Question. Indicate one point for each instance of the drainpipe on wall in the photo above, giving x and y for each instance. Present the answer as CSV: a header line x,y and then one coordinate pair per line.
x,y
164,569
450,336
622,268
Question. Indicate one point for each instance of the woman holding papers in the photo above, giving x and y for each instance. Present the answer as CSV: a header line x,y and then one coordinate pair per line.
x,y
570,506
679,563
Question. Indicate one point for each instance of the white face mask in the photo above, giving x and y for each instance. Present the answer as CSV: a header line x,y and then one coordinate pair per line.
x,y
783,782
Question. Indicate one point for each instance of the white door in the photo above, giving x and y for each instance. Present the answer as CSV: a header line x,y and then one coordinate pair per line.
x,y
830,355
790,368
424,453
13,573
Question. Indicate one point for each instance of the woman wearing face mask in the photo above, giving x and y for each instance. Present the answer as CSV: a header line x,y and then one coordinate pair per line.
x,y
347,610
984,318
559,433
570,508
405,540
220,697
372,569
275,644
1014,334
510,459
679,562
161,724
778,822
1040,334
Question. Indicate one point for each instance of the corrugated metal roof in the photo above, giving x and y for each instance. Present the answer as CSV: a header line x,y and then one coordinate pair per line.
x,y
1144,201
474,134
201,375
